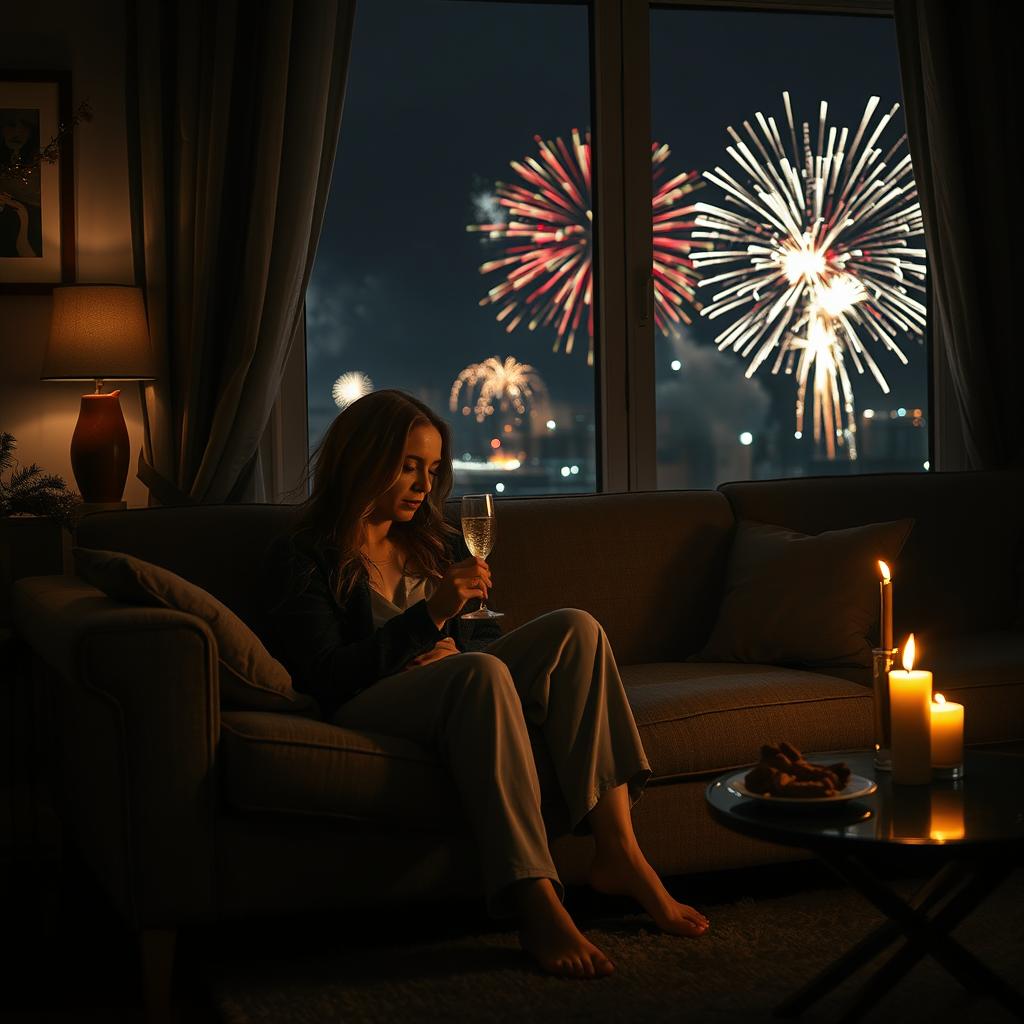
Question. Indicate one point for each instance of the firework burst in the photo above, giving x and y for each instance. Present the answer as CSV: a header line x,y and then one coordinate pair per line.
x,y
813,258
507,386
547,263
350,387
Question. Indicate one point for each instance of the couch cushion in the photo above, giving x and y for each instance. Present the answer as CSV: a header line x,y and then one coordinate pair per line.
x,y
960,570
284,764
699,718
250,676
218,547
647,566
810,601
692,719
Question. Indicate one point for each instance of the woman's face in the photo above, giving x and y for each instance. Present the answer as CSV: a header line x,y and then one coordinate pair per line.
x,y
420,463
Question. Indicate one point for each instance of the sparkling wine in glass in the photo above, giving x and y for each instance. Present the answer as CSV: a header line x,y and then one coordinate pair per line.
x,y
478,527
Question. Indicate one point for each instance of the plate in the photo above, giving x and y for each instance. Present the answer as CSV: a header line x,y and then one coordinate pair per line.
x,y
856,786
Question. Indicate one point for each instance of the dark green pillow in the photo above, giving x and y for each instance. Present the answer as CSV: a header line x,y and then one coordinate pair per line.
x,y
806,600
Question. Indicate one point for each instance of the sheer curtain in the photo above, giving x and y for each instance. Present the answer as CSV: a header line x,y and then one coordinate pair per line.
x,y
234,110
959,64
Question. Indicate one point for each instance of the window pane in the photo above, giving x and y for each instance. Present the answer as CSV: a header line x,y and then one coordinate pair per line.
x,y
801,350
455,258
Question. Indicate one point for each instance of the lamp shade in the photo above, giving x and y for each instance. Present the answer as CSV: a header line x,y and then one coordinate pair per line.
x,y
98,331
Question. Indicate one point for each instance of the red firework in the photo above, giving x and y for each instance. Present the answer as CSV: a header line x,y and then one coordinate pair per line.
x,y
548,267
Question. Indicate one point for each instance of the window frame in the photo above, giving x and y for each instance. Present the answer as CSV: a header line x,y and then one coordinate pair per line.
x,y
624,384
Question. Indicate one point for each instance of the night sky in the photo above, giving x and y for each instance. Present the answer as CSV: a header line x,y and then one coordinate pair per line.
x,y
442,94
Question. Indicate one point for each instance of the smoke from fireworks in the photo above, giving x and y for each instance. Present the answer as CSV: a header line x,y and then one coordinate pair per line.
x,y
548,267
509,385
813,257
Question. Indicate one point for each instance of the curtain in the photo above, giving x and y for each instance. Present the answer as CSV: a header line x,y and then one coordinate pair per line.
x,y
958,65
234,110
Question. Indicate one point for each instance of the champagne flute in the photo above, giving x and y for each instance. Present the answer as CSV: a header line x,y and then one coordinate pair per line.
x,y
478,527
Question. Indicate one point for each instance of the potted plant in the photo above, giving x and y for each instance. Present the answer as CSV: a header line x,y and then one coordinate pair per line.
x,y
35,509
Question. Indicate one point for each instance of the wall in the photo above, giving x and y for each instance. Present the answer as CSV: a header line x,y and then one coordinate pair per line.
x,y
89,40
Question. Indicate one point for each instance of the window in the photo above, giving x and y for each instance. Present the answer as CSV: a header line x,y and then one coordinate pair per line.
x,y
460,260
807,355
455,258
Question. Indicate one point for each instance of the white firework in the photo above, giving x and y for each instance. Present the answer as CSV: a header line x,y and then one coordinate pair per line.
x,y
508,385
349,387
812,258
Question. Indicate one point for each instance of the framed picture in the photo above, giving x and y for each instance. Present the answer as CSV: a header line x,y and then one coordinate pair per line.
x,y
37,217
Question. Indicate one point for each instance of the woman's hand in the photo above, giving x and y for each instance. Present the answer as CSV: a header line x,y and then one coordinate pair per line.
x,y
464,580
444,648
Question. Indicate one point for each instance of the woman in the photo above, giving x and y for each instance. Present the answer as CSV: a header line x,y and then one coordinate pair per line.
x,y
366,598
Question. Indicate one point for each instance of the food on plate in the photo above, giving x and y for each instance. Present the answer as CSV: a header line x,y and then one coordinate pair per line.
x,y
784,771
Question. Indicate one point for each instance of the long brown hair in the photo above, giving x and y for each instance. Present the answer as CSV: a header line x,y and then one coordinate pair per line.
x,y
359,458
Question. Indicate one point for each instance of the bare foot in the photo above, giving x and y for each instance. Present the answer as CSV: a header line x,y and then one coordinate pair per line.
x,y
625,872
547,933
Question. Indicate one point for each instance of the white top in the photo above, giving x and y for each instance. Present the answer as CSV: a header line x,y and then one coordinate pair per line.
x,y
410,589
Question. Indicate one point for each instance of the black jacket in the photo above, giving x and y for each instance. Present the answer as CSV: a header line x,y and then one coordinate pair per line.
x,y
332,650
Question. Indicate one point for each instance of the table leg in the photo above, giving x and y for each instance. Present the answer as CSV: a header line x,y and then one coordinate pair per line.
x,y
930,936
867,948
961,886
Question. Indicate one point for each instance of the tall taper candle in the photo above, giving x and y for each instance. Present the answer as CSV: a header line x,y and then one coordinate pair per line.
x,y
910,694
885,590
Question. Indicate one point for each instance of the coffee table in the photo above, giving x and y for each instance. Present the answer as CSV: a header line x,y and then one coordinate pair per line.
x,y
968,832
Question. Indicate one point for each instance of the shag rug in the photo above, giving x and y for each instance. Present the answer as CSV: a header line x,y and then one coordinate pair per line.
x,y
765,941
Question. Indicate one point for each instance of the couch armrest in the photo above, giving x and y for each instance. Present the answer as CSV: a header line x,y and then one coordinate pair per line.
x,y
135,703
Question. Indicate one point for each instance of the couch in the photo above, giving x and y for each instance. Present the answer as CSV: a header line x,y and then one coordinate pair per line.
x,y
187,812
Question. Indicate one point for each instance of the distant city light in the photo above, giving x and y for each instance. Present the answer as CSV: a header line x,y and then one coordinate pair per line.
x,y
495,442
901,411
566,471
499,488
927,465
349,387
676,364
551,424
574,470
869,414
798,434
493,465
746,437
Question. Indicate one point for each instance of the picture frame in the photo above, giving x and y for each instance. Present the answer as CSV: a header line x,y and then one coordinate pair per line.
x,y
37,215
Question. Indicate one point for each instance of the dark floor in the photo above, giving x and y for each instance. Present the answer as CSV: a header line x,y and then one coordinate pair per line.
x,y
73,961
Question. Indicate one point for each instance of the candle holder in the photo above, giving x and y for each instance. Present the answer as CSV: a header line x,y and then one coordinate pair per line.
x,y
882,660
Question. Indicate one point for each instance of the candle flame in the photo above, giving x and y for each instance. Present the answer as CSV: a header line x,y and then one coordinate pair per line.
x,y
884,570
909,650
939,699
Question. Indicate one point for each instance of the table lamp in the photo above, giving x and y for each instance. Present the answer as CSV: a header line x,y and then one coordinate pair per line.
x,y
99,333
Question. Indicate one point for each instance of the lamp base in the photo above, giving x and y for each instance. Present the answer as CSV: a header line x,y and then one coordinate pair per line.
x,y
100,448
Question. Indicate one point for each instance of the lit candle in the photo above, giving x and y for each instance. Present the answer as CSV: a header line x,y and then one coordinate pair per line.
x,y
885,589
910,698
947,733
947,814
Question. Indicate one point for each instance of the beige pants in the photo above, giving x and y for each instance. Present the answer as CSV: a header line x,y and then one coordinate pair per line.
x,y
550,690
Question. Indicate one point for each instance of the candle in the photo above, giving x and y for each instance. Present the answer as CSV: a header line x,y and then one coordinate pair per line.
x,y
947,728
947,815
885,590
910,697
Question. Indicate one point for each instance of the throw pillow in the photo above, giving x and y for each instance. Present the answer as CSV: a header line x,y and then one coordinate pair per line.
x,y
250,678
799,599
